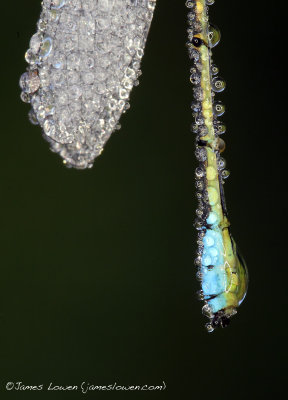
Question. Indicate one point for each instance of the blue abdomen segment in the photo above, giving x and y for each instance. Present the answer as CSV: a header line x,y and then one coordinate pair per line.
x,y
218,303
214,277
214,281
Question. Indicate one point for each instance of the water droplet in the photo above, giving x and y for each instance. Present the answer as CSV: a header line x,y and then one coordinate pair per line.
x,y
218,108
225,173
210,2
30,57
59,61
25,97
195,78
199,173
206,310
189,4
151,4
32,117
54,15
214,69
218,84
49,109
194,128
29,82
198,224
201,154
197,27
197,261
209,327
200,295
221,163
212,219
199,276
199,120
220,129
23,81
198,93
221,145
42,25
35,43
214,36
199,185
199,213
196,106
203,130
49,127
54,4
194,54
123,94
46,47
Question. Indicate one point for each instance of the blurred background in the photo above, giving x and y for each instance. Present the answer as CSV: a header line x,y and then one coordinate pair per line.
x,y
97,278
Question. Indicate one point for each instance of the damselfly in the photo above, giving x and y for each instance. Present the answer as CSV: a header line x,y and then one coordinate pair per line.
x,y
83,63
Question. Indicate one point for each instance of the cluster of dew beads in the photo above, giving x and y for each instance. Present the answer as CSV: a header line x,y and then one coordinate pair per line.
x,y
221,291
218,84
83,63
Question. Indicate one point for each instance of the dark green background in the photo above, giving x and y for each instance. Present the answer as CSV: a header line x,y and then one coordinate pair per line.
x,y
97,279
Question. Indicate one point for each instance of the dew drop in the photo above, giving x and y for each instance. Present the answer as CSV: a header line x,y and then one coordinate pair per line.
x,y
32,117
201,154
30,57
221,163
203,130
194,128
199,276
25,97
197,261
218,84
49,127
196,106
212,219
220,129
195,79
55,4
206,310
46,47
23,81
199,173
200,295
225,173
214,69
35,43
194,54
42,24
209,327
189,4
29,82
199,185
214,35
221,145
218,108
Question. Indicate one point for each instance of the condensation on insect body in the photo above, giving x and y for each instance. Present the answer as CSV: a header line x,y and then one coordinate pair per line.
x,y
221,269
